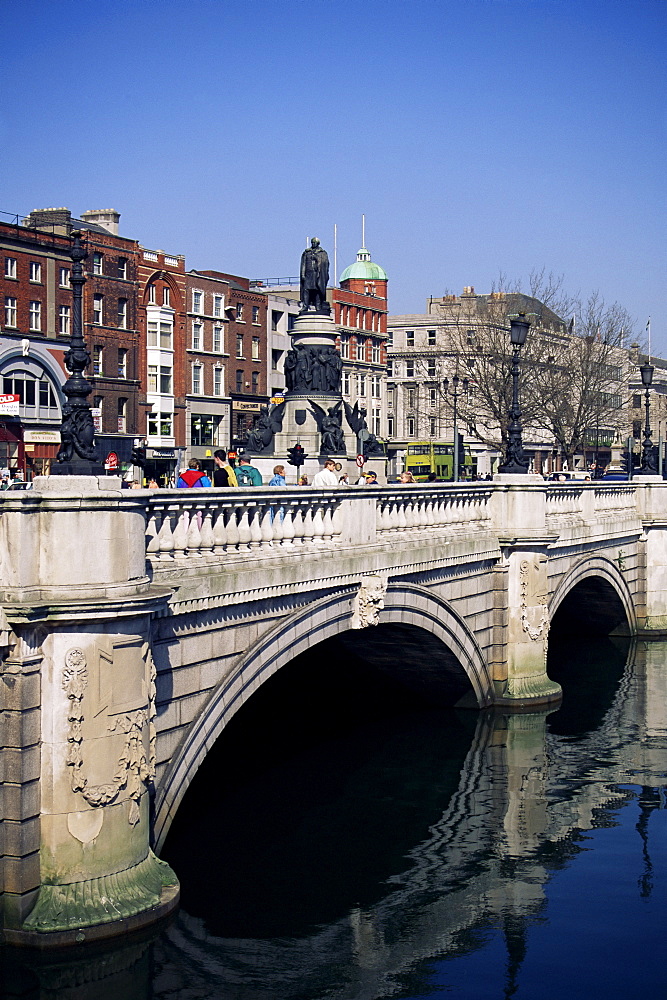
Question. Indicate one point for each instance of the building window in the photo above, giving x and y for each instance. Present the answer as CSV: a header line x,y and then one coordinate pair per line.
x,y
196,379
217,339
64,277
166,329
122,314
197,302
375,353
276,317
122,416
122,268
166,295
412,396
346,383
255,314
432,427
217,305
151,294
97,360
97,263
361,385
205,430
98,309
165,380
390,426
255,382
10,311
430,367
35,272
390,338
376,390
63,319
390,368
430,335
239,345
122,362
217,381
375,421
432,397
411,427
160,424
152,378
35,316
10,267
98,404
390,398
196,337
637,402
239,380
255,348
239,311
409,338
409,369
290,321
345,347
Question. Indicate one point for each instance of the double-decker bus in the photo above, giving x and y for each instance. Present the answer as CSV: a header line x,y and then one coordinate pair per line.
x,y
425,457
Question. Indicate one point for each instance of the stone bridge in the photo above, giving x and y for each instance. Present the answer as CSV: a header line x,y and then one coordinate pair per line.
x,y
134,625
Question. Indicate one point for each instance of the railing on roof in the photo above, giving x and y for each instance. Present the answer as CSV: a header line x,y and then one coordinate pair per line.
x,y
274,282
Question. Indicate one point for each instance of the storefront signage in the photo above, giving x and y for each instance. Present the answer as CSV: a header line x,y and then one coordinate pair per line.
x,y
162,453
248,407
41,437
9,406
111,462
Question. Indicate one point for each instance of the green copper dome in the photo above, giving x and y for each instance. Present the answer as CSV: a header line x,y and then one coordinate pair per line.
x,y
364,268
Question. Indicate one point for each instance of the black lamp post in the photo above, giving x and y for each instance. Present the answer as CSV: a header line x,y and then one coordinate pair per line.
x,y
648,467
516,461
77,455
455,396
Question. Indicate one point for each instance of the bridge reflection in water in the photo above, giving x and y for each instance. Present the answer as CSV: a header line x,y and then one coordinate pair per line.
x,y
381,852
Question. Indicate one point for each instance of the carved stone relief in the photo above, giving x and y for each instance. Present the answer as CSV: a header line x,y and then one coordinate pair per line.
x,y
369,602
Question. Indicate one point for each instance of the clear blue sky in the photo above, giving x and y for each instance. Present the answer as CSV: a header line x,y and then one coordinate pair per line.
x,y
477,136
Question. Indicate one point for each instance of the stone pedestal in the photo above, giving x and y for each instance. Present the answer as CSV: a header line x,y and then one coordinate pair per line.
x,y
312,331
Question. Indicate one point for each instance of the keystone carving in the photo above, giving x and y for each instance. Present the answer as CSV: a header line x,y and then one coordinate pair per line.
x,y
369,602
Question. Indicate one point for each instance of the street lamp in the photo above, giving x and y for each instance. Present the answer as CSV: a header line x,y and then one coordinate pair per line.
x,y
77,455
516,461
455,396
648,467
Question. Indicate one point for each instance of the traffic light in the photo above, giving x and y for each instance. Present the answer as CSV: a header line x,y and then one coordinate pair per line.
x,y
296,455
461,450
139,457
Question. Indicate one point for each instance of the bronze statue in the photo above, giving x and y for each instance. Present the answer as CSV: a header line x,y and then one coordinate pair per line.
x,y
314,278
330,426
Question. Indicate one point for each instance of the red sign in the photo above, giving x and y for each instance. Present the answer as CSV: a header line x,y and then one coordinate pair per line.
x,y
231,454
360,461
9,405
111,462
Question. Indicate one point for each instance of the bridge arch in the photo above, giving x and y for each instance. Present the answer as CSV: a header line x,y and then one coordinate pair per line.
x,y
406,605
603,600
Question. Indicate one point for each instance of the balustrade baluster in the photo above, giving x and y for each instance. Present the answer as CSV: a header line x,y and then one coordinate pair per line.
x,y
267,526
297,513
232,528
193,536
318,522
308,527
288,524
153,533
255,527
327,522
166,544
244,529
207,539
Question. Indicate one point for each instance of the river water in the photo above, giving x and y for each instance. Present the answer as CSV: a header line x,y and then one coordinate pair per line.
x,y
341,842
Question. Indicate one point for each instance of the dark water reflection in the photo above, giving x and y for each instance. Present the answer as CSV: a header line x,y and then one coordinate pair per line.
x,y
371,850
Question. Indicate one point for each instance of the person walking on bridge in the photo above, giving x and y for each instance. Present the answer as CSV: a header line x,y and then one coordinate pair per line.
x,y
247,474
224,475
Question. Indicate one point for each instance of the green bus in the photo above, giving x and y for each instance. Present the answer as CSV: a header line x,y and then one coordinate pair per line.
x,y
426,457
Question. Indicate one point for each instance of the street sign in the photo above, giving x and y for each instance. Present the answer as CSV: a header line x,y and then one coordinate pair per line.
x,y
111,462
9,406
360,461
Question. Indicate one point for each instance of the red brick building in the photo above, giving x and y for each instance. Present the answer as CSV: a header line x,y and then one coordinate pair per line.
x,y
36,325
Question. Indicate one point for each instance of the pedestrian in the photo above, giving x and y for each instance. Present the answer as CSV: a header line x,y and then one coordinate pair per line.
x,y
303,480
406,478
223,474
192,477
361,481
152,484
278,478
343,480
372,479
327,475
247,474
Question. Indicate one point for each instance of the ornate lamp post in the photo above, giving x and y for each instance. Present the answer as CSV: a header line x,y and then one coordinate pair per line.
x,y
648,467
78,452
516,461
455,396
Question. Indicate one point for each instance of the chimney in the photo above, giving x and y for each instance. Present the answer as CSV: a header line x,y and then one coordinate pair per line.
x,y
108,218
54,220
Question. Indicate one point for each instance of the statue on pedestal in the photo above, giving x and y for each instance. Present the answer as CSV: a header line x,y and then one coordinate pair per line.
x,y
330,426
314,278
